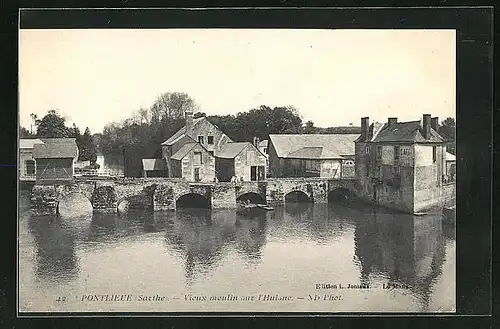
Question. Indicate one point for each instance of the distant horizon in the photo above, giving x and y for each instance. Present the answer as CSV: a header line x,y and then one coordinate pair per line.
x,y
96,77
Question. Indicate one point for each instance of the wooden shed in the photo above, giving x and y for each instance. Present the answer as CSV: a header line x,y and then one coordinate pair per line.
x,y
55,160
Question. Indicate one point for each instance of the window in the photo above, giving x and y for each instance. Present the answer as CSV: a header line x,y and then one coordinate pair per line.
x,y
30,167
367,171
367,150
434,153
396,152
200,139
198,159
405,151
397,170
210,140
265,150
379,151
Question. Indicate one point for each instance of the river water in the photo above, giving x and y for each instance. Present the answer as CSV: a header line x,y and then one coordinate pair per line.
x,y
298,257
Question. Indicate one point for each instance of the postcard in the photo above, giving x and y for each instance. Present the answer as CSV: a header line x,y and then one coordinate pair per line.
x,y
237,170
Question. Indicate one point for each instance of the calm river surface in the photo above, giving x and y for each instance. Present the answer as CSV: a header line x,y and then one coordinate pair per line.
x,y
169,261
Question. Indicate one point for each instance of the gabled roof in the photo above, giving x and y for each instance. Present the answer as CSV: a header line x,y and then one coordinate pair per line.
x,y
406,132
231,150
333,146
56,148
450,157
29,143
183,151
153,164
180,133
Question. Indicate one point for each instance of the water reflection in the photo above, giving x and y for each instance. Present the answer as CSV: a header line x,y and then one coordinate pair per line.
x,y
203,238
319,223
55,256
404,249
201,246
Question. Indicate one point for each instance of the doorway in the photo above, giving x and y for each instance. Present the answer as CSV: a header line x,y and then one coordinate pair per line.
x,y
253,173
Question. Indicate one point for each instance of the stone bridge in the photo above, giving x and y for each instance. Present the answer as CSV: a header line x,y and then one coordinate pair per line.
x,y
119,194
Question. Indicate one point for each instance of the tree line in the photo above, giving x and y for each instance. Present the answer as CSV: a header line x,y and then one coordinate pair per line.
x,y
53,125
145,130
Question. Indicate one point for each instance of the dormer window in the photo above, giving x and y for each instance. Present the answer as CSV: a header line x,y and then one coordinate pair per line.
x,y
210,140
200,139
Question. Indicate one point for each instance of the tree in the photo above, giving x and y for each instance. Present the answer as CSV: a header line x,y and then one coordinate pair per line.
x,y
259,122
447,129
309,128
25,133
143,115
87,149
52,125
172,105
97,141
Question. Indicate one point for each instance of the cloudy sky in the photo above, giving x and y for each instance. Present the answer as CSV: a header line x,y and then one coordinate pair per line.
x,y
333,77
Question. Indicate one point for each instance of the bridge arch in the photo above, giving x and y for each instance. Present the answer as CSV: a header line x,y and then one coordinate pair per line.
x,y
252,197
192,200
341,195
74,203
297,196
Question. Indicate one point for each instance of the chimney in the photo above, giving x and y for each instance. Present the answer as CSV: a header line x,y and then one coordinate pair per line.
x,y
434,123
257,141
365,128
392,121
189,123
426,126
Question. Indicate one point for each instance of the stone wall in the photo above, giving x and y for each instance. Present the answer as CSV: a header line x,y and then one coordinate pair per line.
x,y
224,196
104,199
437,196
162,194
251,187
277,189
396,188
44,200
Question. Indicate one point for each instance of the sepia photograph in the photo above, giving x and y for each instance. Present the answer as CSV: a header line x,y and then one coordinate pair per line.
x,y
237,170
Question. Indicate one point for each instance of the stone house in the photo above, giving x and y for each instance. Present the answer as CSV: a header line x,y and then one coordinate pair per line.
x,y
199,130
194,163
242,160
401,165
312,155
27,163
55,160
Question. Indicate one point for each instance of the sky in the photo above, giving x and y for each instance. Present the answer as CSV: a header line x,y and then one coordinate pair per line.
x,y
333,77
